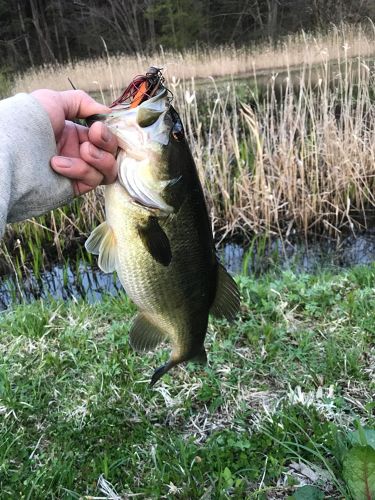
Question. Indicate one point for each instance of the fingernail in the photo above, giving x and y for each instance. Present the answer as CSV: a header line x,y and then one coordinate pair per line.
x,y
106,135
62,161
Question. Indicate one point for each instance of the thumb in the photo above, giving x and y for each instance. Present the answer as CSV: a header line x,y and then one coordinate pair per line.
x,y
78,104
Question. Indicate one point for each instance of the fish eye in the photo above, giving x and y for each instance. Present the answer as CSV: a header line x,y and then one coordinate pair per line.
x,y
178,136
177,131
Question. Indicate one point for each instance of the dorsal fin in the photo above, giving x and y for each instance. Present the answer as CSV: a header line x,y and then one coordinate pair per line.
x,y
102,242
144,334
227,299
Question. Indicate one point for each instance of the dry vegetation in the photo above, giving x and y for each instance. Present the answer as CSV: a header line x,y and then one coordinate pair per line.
x,y
288,383
289,155
298,159
115,72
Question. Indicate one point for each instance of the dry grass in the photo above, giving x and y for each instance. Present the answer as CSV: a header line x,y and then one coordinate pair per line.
x,y
294,155
115,72
299,157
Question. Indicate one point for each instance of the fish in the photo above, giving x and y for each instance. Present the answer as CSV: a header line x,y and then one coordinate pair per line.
x,y
157,235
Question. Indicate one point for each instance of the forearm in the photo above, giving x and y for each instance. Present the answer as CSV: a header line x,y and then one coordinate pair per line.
x,y
28,185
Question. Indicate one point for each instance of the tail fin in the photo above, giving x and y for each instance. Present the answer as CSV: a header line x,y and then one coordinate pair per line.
x,y
200,358
159,372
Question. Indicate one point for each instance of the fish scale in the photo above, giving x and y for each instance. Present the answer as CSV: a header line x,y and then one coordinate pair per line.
x,y
158,237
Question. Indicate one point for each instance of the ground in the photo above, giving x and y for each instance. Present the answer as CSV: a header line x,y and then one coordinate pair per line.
x,y
286,384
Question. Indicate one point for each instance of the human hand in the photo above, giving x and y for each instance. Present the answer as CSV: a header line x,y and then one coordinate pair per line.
x,y
85,155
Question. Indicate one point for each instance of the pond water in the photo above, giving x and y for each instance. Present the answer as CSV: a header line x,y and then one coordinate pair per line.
x,y
84,281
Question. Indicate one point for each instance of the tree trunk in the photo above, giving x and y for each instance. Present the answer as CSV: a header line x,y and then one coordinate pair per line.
x,y
45,49
26,35
66,43
271,27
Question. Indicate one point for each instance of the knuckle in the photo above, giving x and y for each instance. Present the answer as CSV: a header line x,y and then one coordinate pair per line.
x,y
80,93
84,149
111,174
85,169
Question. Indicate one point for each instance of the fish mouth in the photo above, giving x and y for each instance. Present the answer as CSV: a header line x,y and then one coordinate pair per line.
x,y
143,134
146,115
143,152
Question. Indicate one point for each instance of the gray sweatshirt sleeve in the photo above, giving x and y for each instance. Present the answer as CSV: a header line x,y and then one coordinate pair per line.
x,y
28,185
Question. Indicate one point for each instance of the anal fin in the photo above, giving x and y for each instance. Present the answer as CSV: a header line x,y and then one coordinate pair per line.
x,y
227,299
102,242
144,334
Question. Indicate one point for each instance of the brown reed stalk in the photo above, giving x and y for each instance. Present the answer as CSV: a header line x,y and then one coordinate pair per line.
x,y
294,155
115,72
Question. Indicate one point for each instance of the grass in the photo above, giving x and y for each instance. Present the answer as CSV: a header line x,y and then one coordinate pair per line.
x,y
291,159
285,384
291,156
57,236
5,83
115,72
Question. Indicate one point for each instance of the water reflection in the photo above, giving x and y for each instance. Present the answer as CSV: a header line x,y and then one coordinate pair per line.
x,y
83,281
310,258
61,282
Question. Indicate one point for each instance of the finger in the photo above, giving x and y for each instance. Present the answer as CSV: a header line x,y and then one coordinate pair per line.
x,y
77,169
102,137
82,132
79,104
73,134
81,188
101,160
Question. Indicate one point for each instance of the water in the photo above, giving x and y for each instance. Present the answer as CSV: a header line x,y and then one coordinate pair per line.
x,y
309,258
91,284
60,282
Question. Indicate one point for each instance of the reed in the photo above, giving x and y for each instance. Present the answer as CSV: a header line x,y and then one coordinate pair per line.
x,y
290,155
115,72
296,159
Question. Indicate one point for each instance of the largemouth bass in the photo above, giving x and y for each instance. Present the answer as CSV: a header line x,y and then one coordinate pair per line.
x,y
157,235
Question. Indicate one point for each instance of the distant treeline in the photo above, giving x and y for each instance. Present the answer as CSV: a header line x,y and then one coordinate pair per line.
x,y
33,32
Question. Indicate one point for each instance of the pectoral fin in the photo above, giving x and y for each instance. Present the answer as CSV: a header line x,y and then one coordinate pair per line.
x,y
102,242
93,241
156,241
227,299
144,335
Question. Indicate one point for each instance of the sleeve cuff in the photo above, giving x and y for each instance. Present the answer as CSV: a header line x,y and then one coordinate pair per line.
x,y
28,134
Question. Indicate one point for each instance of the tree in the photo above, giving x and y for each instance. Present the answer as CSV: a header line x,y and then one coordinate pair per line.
x,y
34,32
179,22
